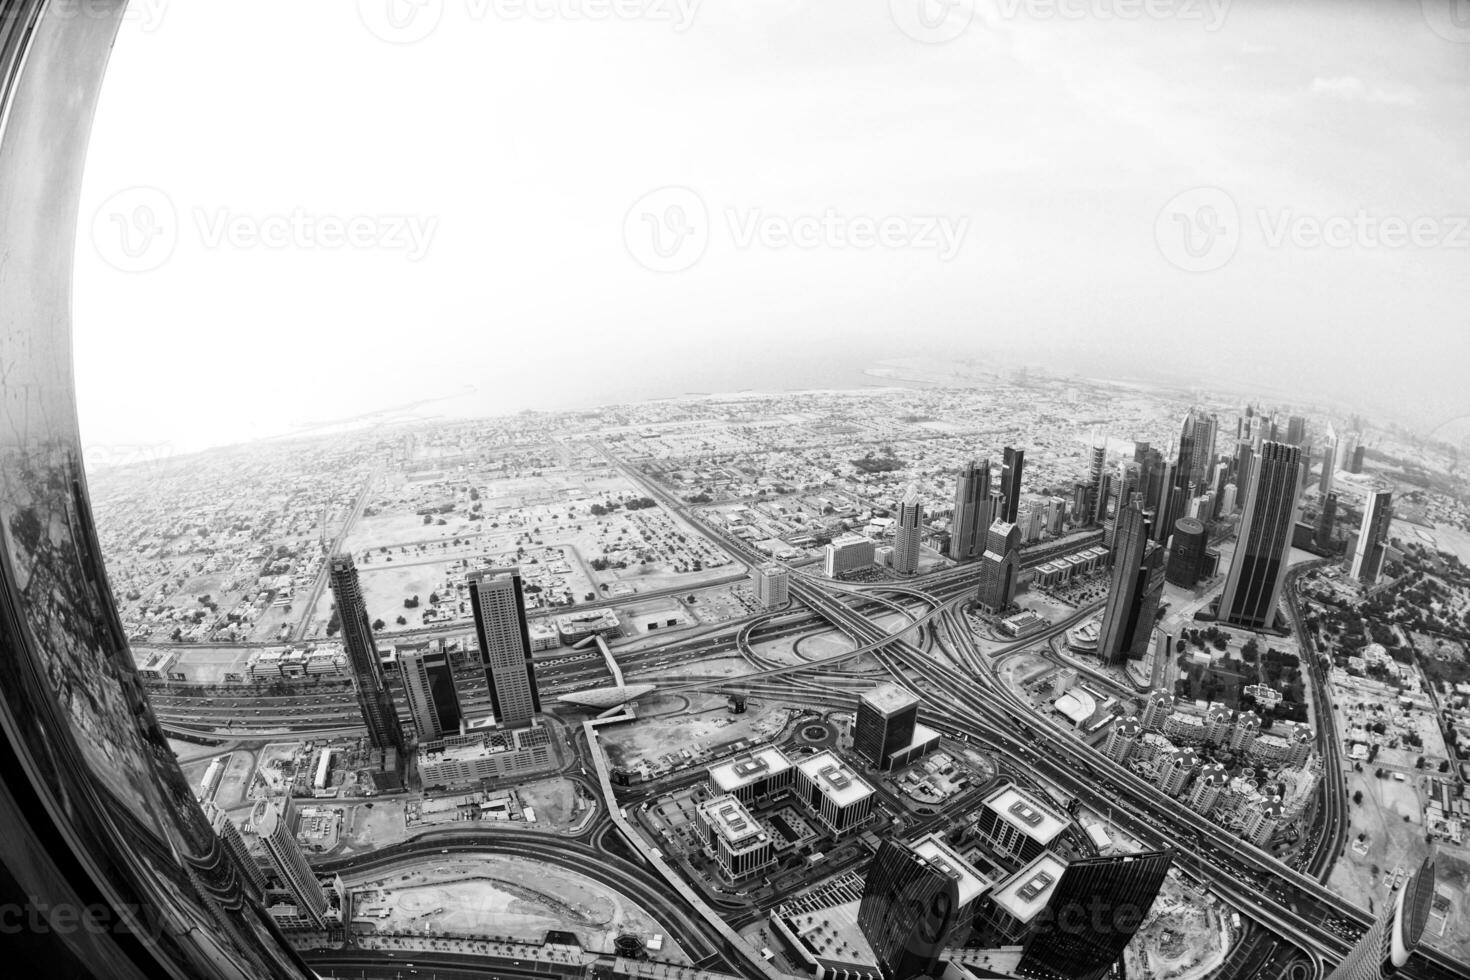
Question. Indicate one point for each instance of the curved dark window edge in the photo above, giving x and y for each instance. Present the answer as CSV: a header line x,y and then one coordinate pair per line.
x,y
109,866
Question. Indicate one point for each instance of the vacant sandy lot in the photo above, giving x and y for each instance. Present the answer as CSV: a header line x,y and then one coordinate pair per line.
x,y
497,895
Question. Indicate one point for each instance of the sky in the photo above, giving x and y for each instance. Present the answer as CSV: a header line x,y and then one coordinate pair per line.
x,y
301,212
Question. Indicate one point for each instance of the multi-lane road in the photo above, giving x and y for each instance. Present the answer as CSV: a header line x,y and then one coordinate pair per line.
x,y
1293,906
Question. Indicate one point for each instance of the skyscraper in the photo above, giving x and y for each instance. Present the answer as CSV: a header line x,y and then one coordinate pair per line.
x,y
505,645
1133,598
378,711
234,844
971,511
278,839
1296,430
1373,537
1253,585
999,566
1245,458
1010,482
1329,463
1151,476
886,718
1096,495
1389,942
1120,493
917,900
428,685
1095,909
1170,505
772,585
1327,520
1196,450
906,534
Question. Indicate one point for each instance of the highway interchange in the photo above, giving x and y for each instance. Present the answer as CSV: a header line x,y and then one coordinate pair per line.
x,y
1298,928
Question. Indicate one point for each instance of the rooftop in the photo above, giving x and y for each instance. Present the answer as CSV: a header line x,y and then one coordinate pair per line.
x,y
1077,705
835,779
749,768
482,743
972,884
604,617
732,821
607,697
1025,893
889,699
1028,815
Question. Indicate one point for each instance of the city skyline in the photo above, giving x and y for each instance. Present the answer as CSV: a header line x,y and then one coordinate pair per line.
x,y
804,539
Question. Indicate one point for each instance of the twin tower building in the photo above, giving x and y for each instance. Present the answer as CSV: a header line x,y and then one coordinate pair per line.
x,y
498,601
984,526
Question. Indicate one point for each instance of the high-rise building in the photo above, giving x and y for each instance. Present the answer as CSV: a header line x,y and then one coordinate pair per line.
x,y
1261,823
772,585
1296,430
505,645
907,532
1096,492
1095,909
1329,463
1187,553
1356,466
1196,450
1123,739
971,511
886,719
1010,482
1373,537
1152,475
278,840
1176,770
917,900
1253,584
378,711
234,843
1133,598
1125,485
428,686
1396,930
1247,729
1159,706
1228,497
1327,520
1207,789
1171,499
1245,461
848,553
999,566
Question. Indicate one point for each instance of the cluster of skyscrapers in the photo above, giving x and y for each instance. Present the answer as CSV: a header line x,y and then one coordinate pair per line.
x,y
1070,920
498,602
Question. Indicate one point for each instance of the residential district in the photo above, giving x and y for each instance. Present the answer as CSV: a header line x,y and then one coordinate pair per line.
x,y
947,677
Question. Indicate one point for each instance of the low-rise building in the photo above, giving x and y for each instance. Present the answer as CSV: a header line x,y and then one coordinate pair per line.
x,y
1014,822
735,838
485,753
835,794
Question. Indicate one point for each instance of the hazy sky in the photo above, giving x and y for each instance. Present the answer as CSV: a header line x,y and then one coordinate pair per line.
x,y
302,211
